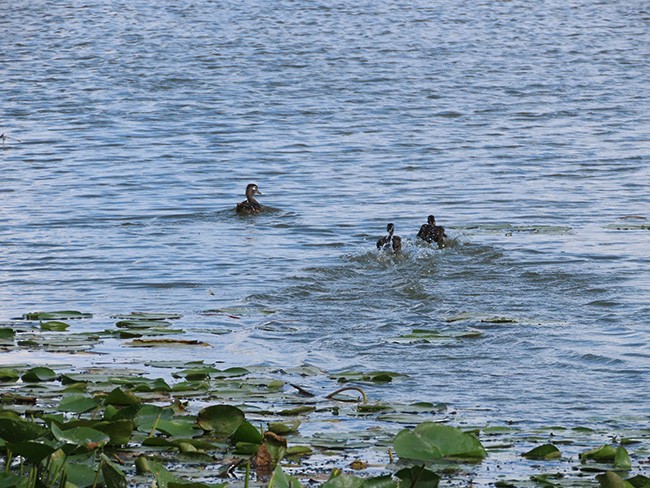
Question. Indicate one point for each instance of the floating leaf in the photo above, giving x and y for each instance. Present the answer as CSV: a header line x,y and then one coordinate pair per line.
x,y
543,453
121,397
151,316
8,375
166,343
78,403
230,373
80,475
280,479
622,458
602,454
299,451
297,410
54,326
177,427
417,477
611,480
282,428
433,441
113,476
17,430
81,436
221,420
60,315
39,373
6,333
119,431
247,432
33,451
639,481
141,324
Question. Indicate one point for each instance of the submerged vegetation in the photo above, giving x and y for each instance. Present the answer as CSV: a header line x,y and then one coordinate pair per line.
x,y
174,423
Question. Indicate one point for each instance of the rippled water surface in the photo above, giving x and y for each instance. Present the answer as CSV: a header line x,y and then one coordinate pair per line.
x,y
133,128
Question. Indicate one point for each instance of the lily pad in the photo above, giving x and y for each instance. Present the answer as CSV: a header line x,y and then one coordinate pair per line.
x,y
429,441
8,375
622,458
6,333
16,430
417,477
280,479
58,315
40,373
113,475
543,453
75,403
602,454
54,326
221,420
150,316
85,437
166,343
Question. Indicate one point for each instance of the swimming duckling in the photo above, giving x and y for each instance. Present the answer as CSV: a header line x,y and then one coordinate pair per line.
x,y
250,205
431,232
390,241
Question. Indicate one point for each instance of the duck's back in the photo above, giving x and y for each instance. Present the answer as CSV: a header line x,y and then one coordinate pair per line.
x,y
248,207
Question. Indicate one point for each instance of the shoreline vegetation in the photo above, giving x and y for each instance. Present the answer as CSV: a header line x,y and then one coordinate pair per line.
x,y
173,423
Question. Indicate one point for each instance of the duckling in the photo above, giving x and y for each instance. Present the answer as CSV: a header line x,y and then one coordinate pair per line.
x,y
250,205
391,241
431,232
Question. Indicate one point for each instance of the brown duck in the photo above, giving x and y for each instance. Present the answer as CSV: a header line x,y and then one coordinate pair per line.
x,y
390,241
431,232
250,205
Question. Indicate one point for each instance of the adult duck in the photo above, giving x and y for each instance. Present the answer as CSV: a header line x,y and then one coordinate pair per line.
x,y
430,232
250,205
390,241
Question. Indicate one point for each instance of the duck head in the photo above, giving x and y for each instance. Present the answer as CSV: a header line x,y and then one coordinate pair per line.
x,y
252,190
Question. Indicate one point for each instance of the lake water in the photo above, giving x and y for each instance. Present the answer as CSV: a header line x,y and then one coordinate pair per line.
x,y
133,128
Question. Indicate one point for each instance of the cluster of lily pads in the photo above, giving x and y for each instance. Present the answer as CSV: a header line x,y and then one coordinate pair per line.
x,y
202,425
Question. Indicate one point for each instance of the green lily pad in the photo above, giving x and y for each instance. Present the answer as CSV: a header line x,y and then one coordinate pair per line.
x,y
543,453
15,430
121,397
59,315
602,454
119,431
33,451
622,458
611,480
166,343
176,427
141,324
280,479
221,420
113,476
430,441
54,326
75,403
284,428
417,477
39,373
8,375
247,432
85,437
639,481
148,316
297,410
6,333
